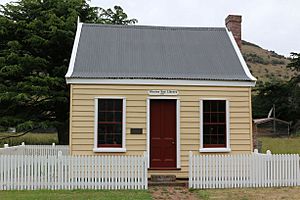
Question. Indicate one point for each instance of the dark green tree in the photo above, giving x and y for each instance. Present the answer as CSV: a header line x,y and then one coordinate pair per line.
x,y
295,62
295,88
281,94
285,96
35,47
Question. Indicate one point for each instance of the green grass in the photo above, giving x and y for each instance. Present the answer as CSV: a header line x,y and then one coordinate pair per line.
x,y
281,145
29,138
203,194
76,195
249,193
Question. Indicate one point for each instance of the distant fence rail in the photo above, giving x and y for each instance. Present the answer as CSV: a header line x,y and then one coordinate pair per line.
x,y
36,150
31,172
253,170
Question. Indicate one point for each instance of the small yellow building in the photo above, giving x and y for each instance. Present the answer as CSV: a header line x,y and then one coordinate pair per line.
x,y
160,90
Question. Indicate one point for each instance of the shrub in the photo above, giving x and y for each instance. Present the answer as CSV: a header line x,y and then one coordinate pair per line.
x,y
277,62
254,58
275,55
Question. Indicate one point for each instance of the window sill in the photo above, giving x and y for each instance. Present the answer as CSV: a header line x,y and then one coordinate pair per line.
x,y
109,150
214,150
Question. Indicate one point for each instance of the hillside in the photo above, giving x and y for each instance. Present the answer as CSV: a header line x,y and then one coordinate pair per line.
x,y
266,65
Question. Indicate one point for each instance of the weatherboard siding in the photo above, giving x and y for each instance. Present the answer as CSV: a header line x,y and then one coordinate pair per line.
x,y
82,118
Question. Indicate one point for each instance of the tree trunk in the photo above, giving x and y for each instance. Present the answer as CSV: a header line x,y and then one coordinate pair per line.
x,y
63,133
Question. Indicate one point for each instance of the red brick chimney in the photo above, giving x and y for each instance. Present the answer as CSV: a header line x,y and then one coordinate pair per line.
x,y
233,24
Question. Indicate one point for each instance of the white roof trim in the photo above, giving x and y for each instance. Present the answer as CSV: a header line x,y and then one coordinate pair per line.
x,y
240,56
74,50
160,82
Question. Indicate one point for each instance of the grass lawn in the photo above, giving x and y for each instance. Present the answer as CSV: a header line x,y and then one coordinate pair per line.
x,y
76,195
249,193
291,193
281,145
29,138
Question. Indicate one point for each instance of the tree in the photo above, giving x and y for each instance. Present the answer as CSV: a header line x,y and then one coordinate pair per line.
x,y
295,87
35,47
295,62
281,94
285,95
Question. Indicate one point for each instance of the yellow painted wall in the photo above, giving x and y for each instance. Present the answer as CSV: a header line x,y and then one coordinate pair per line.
x,y
82,118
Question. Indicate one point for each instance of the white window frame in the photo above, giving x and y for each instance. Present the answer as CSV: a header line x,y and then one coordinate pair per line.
x,y
215,149
109,149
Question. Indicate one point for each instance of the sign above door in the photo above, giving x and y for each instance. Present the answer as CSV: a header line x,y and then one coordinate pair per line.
x,y
163,92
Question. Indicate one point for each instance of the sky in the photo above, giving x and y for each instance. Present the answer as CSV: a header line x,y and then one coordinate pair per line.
x,y
271,24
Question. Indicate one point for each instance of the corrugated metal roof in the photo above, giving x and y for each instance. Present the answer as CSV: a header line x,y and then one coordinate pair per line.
x,y
153,52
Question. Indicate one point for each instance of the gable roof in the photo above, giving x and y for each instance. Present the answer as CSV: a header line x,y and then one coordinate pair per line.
x,y
154,52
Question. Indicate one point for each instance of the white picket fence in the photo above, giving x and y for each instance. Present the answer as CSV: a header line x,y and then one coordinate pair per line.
x,y
37,150
23,172
253,170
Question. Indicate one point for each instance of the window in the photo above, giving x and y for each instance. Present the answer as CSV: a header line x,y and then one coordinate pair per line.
x,y
214,125
109,124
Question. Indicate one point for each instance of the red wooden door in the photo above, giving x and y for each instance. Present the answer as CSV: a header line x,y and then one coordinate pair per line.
x,y
162,133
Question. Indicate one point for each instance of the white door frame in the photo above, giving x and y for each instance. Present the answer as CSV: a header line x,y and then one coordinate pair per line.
x,y
177,128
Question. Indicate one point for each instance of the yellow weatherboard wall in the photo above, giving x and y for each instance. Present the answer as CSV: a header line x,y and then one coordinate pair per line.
x,y
82,118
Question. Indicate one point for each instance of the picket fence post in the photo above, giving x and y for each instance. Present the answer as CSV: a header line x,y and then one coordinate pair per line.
x,y
145,167
190,169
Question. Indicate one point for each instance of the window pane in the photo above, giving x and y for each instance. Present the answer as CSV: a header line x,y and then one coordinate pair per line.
x,y
214,117
118,128
222,106
110,105
206,130
110,122
109,116
221,117
221,139
206,117
221,130
118,105
206,139
118,116
214,106
101,105
101,116
214,123
214,139
206,106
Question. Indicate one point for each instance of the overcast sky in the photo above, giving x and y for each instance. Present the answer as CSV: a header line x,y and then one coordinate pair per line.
x,y
271,24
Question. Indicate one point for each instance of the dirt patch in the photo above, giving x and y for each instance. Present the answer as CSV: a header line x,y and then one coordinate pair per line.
x,y
180,193
289,193
172,193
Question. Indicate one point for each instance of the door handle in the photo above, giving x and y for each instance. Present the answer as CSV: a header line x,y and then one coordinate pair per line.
x,y
173,142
